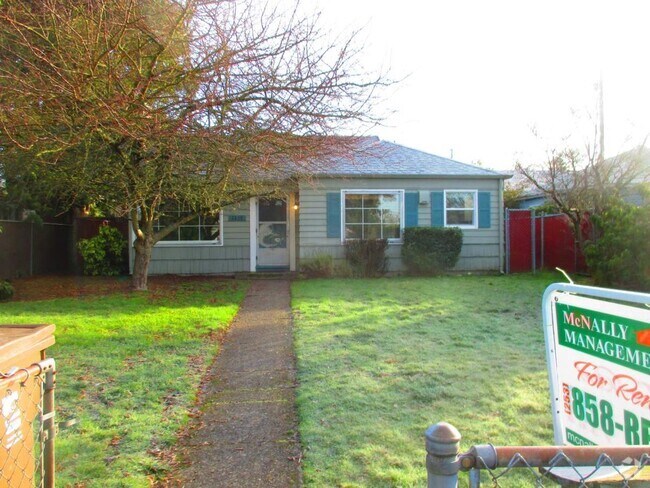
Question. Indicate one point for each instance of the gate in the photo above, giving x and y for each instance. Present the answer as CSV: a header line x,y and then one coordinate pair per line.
x,y
536,242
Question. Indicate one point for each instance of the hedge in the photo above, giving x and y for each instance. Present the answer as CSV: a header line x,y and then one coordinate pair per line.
x,y
431,250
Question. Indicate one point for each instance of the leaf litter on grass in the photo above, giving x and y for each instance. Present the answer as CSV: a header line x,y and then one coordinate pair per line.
x,y
128,367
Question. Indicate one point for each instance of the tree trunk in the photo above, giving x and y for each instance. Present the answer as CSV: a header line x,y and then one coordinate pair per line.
x,y
143,249
577,233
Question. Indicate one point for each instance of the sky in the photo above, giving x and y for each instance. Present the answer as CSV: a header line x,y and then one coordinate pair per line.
x,y
481,78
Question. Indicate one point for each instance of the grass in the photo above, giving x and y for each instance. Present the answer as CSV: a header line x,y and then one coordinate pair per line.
x,y
128,369
381,360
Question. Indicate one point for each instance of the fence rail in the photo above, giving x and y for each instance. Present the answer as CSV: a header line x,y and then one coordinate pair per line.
x,y
27,428
580,466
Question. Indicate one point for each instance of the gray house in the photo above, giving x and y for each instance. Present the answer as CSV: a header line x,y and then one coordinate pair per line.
x,y
376,194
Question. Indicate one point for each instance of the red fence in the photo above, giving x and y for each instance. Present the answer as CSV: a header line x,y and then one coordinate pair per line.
x,y
536,242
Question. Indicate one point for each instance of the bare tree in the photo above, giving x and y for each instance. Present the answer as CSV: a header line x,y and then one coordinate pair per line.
x,y
582,183
133,104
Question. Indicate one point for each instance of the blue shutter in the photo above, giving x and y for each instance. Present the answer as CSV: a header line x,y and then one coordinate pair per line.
x,y
437,209
334,215
484,210
411,202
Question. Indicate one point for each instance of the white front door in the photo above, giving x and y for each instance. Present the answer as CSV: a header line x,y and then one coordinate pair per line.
x,y
272,233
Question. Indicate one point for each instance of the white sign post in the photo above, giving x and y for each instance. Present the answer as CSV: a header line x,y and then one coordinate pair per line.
x,y
598,355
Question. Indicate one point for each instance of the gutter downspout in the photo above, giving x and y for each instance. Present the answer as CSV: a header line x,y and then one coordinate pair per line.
x,y
501,220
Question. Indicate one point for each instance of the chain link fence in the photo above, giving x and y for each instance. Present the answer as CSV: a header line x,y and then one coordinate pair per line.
x,y
522,466
555,466
27,428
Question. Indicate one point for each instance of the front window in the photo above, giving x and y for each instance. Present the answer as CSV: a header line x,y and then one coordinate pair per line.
x,y
460,208
372,215
205,229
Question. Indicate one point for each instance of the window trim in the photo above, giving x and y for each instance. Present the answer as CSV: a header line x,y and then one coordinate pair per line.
x,y
371,191
474,224
214,242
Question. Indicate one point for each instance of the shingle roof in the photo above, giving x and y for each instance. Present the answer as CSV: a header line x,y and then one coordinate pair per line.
x,y
375,157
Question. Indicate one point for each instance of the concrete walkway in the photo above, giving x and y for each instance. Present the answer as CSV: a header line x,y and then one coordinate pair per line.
x,y
248,432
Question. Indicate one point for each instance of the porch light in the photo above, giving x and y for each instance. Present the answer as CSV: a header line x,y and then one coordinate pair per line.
x,y
295,206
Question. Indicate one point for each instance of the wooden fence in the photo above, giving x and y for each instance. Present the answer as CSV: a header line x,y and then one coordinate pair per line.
x,y
32,249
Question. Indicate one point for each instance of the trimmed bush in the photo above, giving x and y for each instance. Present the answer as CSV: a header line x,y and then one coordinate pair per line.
x,y
103,255
366,258
431,250
6,290
318,266
621,256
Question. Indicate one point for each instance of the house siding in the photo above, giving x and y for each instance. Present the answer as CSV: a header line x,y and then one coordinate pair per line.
x,y
233,256
480,250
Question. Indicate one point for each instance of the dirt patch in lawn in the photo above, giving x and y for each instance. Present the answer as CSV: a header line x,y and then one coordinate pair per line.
x,y
49,287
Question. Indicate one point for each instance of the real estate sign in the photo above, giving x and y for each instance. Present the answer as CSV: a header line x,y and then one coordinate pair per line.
x,y
598,353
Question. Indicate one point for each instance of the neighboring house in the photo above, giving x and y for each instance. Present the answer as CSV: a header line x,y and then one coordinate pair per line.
x,y
382,190
532,201
531,196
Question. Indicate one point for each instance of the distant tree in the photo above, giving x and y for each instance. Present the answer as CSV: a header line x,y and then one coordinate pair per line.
x,y
134,104
23,192
512,193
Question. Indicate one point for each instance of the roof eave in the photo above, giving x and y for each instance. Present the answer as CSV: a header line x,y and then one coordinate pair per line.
x,y
465,177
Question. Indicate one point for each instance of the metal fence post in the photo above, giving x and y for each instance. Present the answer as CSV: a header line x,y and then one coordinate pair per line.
x,y
541,240
49,428
442,444
507,241
533,240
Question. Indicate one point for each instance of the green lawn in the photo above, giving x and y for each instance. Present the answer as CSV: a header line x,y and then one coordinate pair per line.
x,y
381,360
128,369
